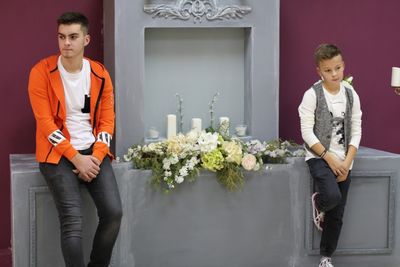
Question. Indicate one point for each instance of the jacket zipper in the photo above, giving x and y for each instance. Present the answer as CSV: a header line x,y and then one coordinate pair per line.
x,y
97,101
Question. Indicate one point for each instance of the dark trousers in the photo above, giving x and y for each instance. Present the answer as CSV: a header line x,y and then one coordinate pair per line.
x,y
332,200
64,186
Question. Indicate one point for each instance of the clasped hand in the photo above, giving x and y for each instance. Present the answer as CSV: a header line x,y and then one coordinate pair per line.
x,y
87,166
339,167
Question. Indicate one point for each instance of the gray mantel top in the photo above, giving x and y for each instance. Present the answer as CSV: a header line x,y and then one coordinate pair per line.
x,y
27,162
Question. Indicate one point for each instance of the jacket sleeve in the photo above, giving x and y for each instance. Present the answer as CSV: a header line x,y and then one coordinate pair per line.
x,y
307,117
106,122
45,119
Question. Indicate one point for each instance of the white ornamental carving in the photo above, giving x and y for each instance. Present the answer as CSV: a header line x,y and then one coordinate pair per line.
x,y
198,9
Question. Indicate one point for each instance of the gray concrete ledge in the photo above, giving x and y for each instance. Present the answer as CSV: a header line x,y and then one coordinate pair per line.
x,y
267,223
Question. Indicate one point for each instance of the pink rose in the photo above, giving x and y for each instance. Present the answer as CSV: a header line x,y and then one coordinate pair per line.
x,y
249,162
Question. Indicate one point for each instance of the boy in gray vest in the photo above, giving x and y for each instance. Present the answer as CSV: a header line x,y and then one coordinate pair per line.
x,y
330,116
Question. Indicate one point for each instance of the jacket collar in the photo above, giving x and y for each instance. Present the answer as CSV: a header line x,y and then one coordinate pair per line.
x,y
96,76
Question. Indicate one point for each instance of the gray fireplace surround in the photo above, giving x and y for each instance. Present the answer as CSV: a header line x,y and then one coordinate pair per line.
x,y
201,224
137,34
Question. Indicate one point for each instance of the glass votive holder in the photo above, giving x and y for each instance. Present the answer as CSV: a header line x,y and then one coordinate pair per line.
x,y
240,130
153,133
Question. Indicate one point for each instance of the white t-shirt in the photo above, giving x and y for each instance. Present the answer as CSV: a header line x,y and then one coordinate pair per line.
x,y
76,89
337,106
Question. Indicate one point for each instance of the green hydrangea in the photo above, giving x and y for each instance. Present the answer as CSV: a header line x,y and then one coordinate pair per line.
x,y
213,160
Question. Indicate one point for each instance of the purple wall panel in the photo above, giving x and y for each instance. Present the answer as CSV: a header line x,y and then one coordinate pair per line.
x,y
29,33
368,34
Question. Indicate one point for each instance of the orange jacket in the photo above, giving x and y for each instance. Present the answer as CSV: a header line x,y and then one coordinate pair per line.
x,y
47,98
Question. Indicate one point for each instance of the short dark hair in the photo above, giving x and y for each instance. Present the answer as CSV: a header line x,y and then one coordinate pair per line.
x,y
69,18
326,51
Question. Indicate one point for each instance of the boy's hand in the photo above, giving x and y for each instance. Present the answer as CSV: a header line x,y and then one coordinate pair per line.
x,y
397,90
336,165
342,177
87,166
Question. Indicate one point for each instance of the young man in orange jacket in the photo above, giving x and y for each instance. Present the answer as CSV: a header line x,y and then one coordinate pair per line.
x,y
73,103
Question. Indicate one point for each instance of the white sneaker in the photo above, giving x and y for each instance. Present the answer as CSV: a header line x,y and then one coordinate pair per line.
x,y
325,262
318,216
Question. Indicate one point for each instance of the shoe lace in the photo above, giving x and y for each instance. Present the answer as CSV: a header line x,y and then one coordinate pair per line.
x,y
326,262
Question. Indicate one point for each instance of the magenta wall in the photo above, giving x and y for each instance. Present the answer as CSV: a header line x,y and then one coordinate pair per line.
x,y
29,33
368,32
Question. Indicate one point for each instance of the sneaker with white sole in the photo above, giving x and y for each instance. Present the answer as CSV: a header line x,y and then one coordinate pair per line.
x,y
318,216
325,262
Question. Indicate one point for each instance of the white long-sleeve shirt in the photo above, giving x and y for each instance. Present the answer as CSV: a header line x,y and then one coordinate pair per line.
x,y
337,106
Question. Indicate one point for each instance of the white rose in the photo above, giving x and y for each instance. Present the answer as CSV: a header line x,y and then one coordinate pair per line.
x,y
249,162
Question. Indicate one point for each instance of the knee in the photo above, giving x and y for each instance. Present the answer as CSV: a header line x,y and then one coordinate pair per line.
x,y
117,215
332,199
114,215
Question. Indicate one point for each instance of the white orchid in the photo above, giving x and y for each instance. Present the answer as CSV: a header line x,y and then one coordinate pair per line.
x,y
207,141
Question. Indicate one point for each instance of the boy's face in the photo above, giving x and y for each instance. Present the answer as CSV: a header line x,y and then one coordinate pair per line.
x,y
72,40
331,70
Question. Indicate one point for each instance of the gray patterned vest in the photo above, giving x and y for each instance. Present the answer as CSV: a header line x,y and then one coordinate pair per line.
x,y
323,126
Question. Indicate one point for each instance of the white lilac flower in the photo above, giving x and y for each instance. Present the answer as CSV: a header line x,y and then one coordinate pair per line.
x,y
173,159
183,171
299,153
280,152
179,179
255,147
166,164
286,144
191,163
272,154
167,173
208,141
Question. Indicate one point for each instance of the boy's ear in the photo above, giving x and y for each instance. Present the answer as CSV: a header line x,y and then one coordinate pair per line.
x,y
87,39
318,71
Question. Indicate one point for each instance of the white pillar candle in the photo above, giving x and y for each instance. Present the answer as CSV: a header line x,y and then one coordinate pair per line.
x,y
196,124
395,77
171,126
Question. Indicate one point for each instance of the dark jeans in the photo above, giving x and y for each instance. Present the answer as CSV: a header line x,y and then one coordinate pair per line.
x,y
64,186
332,200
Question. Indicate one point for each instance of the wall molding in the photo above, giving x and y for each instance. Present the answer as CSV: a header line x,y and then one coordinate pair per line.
x,y
310,230
33,225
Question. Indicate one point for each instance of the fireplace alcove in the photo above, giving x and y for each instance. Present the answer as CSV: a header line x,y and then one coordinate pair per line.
x,y
234,51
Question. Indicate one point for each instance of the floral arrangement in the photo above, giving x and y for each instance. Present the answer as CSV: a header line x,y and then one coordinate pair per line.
x,y
180,159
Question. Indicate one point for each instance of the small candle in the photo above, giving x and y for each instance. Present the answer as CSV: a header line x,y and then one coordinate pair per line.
x,y
153,133
196,124
171,126
395,77
241,130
